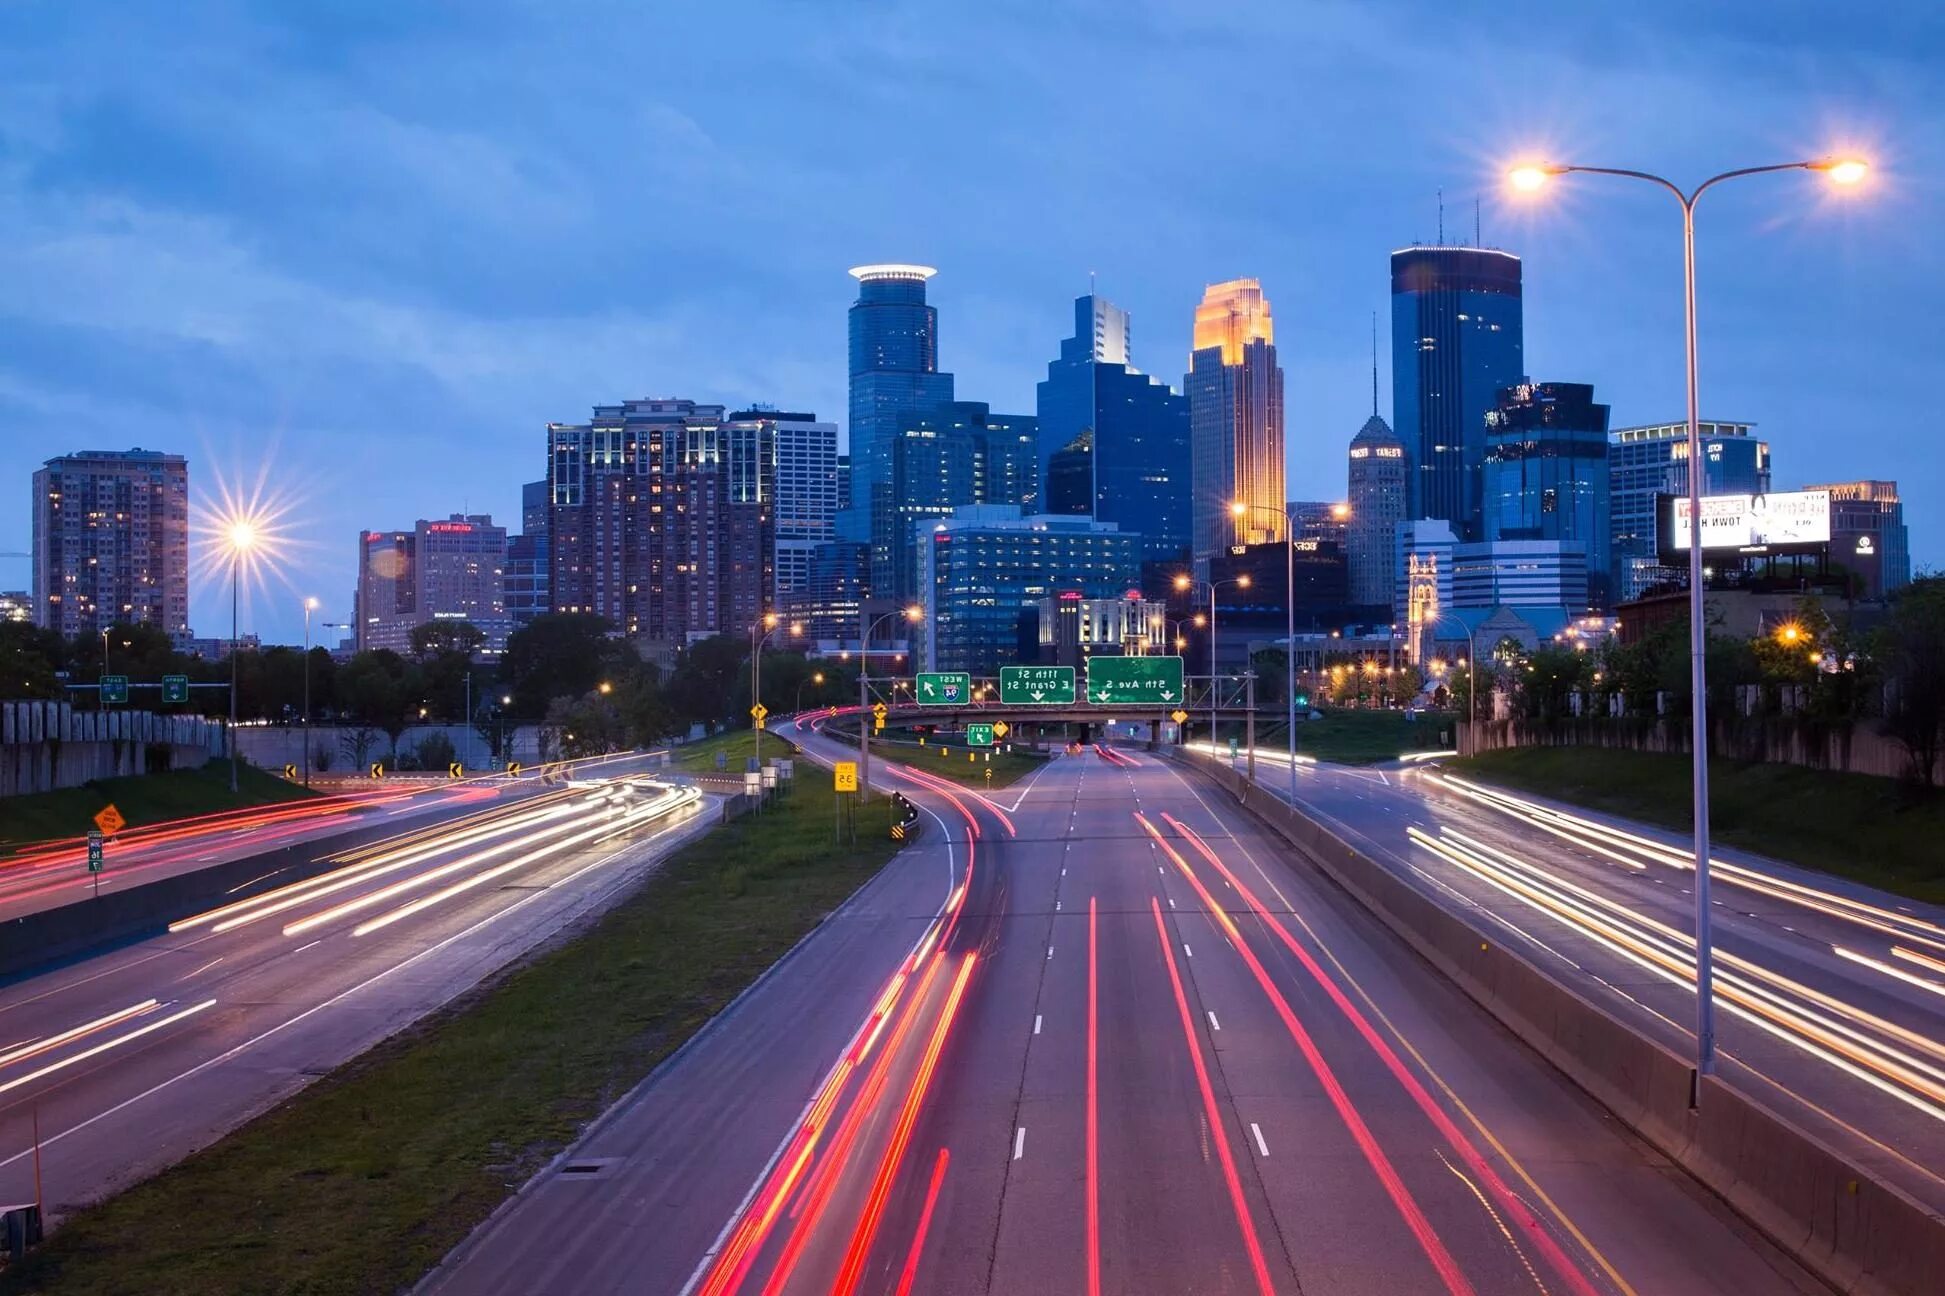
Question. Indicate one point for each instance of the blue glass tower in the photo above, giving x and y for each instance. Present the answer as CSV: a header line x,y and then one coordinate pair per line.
x,y
1455,344
894,372
1137,434
1546,471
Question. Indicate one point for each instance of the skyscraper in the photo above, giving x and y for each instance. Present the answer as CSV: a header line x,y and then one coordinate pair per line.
x,y
1867,535
1235,392
955,454
894,345
1652,460
528,570
802,453
1378,490
1455,344
111,541
449,569
1136,451
1546,472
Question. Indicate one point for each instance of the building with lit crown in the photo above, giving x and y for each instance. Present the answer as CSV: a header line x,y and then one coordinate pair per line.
x,y
1378,499
1070,627
894,359
111,542
1235,393
449,569
1867,535
1456,342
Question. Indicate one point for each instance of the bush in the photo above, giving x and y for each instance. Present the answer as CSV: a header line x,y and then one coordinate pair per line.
x,y
435,751
321,758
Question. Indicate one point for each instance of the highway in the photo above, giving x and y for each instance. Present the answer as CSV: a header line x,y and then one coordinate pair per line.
x,y
1830,995
132,1059
1097,1033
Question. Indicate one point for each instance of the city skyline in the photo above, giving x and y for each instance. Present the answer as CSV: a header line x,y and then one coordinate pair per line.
x,y
187,284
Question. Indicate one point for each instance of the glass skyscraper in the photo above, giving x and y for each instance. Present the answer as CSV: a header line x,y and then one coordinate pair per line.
x,y
1455,344
1546,473
955,454
1235,392
1644,462
894,338
1378,486
1136,430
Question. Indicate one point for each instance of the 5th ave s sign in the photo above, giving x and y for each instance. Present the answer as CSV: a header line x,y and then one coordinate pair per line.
x,y
1134,681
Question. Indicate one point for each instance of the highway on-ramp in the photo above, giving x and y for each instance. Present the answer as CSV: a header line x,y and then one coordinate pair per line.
x,y
1097,1033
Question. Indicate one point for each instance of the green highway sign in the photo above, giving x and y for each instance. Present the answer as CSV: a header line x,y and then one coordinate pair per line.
x,y
94,852
175,688
979,735
1037,685
943,688
114,688
1134,681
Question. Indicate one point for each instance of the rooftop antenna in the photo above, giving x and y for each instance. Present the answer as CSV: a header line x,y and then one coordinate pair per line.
x,y
1441,216
1476,240
1374,364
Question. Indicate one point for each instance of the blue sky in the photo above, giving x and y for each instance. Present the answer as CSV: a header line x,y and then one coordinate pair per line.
x,y
364,251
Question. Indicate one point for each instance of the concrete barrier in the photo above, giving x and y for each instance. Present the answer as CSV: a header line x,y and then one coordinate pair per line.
x,y
1859,1234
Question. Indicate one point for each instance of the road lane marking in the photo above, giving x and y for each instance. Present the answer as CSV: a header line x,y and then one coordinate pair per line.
x,y
313,945
1186,950
1171,902
205,967
1020,1143
1213,1023
103,1047
1262,1148
1050,951
1036,1023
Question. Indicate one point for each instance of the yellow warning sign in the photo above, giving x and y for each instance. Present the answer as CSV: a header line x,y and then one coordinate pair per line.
x,y
1178,716
1000,728
110,820
846,773
758,711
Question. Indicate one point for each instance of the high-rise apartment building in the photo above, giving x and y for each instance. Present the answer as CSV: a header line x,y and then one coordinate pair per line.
x,y
1867,535
1546,473
111,542
804,454
1235,394
1128,430
661,520
1456,328
987,564
1378,498
1652,460
894,350
451,569
528,570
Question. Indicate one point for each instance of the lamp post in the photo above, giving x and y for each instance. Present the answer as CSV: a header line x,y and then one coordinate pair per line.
x,y
1183,582
1240,509
759,632
242,538
1842,171
912,614
310,606
817,679
1472,678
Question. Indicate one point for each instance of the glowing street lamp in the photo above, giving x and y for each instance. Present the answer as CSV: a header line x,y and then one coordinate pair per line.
x,y
912,615
1840,170
310,606
240,539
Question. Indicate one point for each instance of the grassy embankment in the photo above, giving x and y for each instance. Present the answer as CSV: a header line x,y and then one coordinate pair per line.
x,y
1852,825
363,1181
142,799
1352,737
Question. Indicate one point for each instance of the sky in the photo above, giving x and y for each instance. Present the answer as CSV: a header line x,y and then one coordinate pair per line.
x,y
352,257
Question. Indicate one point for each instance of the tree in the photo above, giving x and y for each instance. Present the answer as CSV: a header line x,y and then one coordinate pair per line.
x,y
356,742
711,680
1544,685
586,726
435,751
29,656
564,654
1910,650
433,638
375,691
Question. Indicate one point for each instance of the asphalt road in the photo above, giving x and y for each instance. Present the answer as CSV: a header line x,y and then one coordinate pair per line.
x,y
1830,996
1097,1034
135,1058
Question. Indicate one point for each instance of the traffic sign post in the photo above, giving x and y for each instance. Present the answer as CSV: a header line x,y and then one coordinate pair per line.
x,y
114,690
1001,729
1037,685
757,713
175,689
1135,681
95,857
846,775
943,688
878,713
979,735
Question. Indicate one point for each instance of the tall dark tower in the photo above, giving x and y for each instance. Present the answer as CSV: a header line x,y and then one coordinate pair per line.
x,y
894,375
1455,344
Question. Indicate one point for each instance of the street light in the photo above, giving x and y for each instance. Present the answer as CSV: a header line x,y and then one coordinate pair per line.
x,y
1240,509
1183,582
240,537
1844,171
817,679
913,614
310,606
768,625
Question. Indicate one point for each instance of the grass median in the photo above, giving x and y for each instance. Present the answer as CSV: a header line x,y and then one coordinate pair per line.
x,y
142,799
364,1180
1868,829
1352,737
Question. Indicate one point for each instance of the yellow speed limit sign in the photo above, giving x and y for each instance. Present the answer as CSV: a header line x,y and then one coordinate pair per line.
x,y
846,773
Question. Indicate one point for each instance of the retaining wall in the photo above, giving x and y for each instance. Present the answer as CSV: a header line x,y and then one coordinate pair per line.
x,y
1860,1235
50,745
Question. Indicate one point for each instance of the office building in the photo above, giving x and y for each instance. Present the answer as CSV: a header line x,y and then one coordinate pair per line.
x,y
1546,473
1455,344
835,588
16,605
451,569
1255,613
1069,627
1235,394
986,564
1520,574
1128,430
800,454
528,569
1867,535
1649,461
111,542
894,355
1325,520
661,520
1378,498
533,508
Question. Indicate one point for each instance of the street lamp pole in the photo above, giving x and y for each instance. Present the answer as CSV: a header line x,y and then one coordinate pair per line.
x,y
1843,171
1184,582
870,627
236,571
310,605
1289,627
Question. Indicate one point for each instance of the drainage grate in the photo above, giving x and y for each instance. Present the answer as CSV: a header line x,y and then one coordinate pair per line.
x,y
589,1168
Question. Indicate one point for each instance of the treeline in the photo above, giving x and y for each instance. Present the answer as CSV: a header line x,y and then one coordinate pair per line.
x,y
567,672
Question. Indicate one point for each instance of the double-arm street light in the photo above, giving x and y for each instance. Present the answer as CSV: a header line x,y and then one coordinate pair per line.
x,y
913,615
1841,171
1240,510
1185,582
760,633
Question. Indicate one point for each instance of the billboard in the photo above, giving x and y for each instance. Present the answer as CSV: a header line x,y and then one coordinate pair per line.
x,y
1778,522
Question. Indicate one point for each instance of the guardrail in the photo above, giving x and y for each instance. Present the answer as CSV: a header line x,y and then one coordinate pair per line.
x,y
1857,1233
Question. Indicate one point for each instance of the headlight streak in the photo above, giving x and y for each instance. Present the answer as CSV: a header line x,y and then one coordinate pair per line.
x,y
1564,825
1659,950
35,1048
105,1046
1896,973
